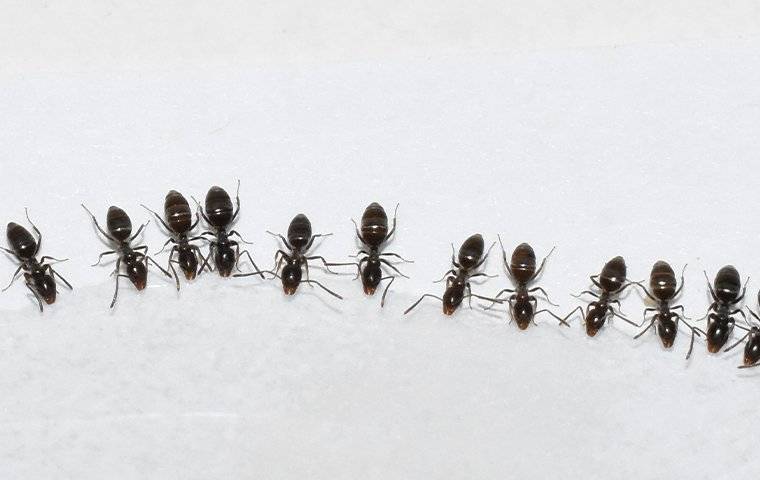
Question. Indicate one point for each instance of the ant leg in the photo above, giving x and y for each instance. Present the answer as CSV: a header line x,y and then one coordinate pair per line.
x,y
36,230
389,265
249,258
200,210
594,280
171,267
200,254
737,343
100,257
578,309
97,225
9,252
506,290
171,240
207,260
651,297
452,272
651,324
358,233
235,232
283,239
237,201
14,277
150,259
616,314
543,263
421,298
360,252
504,256
561,320
586,292
485,257
359,267
693,334
393,228
481,274
160,220
116,291
453,259
397,256
47,257
314,237
53,272
36,295
310,282
327,264
139,231
709,285
197,221
539,289
681,287
385,292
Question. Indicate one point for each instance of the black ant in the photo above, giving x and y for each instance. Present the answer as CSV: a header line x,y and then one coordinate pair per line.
x,y
662,282
458,278
300,240
39,276
752,348
179,223
135,259
522,270
219,214
726,293
373,234
611,282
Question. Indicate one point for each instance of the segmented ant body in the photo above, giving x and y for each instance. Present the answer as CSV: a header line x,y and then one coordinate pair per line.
x,y
752,348
374,234
523,306
664,288
135,259
458,278
726,293
611,282
300,240
38,275
220,215
179,224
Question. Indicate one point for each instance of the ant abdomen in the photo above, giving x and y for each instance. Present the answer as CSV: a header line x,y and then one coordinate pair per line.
x,y
219,209
299,231
471,251
523,263
728,284
177,212
374,228
21,241
118,223
613,275
662,281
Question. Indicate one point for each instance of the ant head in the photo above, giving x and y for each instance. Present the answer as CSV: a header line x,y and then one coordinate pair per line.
x,y
137,274
225,259
613,274
595,320
717,336
523,264
44,285
371,276
452,298
667,331
188,262
522,313
291,278
727,284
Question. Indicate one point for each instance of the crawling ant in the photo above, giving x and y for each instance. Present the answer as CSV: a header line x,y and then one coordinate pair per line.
x,y
300,240
662,282
752,348
39,276
611,282
179,223
135,259
470,259
373,234
522,270
725,293
219,214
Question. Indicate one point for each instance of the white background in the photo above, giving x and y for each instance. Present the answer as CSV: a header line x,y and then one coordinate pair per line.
x,y
603,128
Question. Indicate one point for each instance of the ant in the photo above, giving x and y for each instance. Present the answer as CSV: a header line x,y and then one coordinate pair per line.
x,y
522,270
470,259
662,282
219,214
611,281
373,234
752,348
39,276
135,259
179,223
300,240
725,294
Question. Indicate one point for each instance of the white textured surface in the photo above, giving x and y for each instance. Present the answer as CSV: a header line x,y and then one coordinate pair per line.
x,y
648,151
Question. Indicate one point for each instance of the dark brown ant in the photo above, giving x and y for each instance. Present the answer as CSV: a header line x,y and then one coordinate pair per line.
x,y
752,348
135,259
179,224
219,214
662,282
611,282
300,240
726,293
373,234
522,270
458,278
38,275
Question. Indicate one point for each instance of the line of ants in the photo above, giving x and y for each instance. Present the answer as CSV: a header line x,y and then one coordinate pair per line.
x,y
374,265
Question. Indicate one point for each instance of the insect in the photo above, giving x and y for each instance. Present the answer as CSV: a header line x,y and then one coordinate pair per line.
x,y
611,282
470,258
752,348
135,259
662,283
725,293
38,275
373,234
220,215
523,307
300,240
179,223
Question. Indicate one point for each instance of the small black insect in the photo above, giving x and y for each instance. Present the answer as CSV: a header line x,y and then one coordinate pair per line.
x,y
458,278
220,215
179,224
135,259
300,240
752,348
726,293
611,282
523,307
39,276
662,283
373,234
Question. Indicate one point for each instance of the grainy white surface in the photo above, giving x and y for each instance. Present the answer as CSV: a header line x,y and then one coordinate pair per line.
x,y
645,150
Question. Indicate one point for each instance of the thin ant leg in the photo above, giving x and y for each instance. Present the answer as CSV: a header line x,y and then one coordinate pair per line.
x,y
397,256
358,233
14,277
284,241
329,264
504,256
651,324
171,267
421,298
579,309
314,282
150,259
138,232
200,254
160,220
56,260
485,257
506,290
197,221
314,237
393,228
651,297
207,260
616,314
543,264
237,201
453,257
250,274
36,295
100,257
693,334
360,252
359,267
53,272
481,274
116,291
539,289
97,225
681,287
390,265
170,240
235,232
9,252
250,259
561,320
737,343
594,280
450,272
36,230
385,292
585,292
